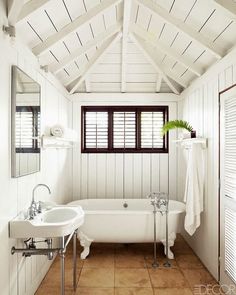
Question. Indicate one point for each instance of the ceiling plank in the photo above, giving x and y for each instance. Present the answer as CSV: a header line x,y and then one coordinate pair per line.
x,y
56,67
186,29
94,61
88,84
153,62
228,7
126,23
14,8
73,26
158,83
150,38
31,7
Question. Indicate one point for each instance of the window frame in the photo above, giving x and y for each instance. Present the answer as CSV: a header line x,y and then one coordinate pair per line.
x,y
138,109
35,149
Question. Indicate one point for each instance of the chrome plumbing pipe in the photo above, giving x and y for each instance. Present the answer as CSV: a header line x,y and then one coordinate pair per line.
x,y
158,203
74,259
62,255
27,252
167,263
50,254
33,251
155,262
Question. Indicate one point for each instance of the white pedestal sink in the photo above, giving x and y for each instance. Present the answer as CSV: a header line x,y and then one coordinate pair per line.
x,y
59,221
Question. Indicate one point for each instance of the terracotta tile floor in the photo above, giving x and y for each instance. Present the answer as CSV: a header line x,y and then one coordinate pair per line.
x,y
117,269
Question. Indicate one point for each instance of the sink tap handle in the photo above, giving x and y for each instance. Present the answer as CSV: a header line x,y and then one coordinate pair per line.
x,y
39,210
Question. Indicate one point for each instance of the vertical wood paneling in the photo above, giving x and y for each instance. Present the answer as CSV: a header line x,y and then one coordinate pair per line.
x,y
201,108
101,173
128,175
92,176
146,174
111,176
119,176
229,76
155,181
164,173
168,183
124,175
137,180
83,176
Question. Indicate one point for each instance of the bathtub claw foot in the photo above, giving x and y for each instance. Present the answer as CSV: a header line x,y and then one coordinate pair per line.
x,y
171,241
85,242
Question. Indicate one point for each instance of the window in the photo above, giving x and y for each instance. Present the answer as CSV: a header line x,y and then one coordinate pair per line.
x,y
123,129
27,129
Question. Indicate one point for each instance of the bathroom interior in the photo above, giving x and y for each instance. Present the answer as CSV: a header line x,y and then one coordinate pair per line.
x,y
117,161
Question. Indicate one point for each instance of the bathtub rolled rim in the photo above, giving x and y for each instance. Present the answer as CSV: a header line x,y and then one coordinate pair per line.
x,y
127,211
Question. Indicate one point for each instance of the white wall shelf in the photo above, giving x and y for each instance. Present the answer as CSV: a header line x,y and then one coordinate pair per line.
x,y
55,142
188,142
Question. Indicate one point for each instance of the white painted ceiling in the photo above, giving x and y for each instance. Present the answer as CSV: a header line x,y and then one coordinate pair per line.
x,y
130,45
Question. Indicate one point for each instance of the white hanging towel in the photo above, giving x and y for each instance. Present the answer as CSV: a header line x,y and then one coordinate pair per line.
x,y
194,187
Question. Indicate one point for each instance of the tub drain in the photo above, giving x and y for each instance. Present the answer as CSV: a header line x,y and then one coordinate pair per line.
x,y
125,205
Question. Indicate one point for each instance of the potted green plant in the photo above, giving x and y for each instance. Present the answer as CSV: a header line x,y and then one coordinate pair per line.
x,y
178,124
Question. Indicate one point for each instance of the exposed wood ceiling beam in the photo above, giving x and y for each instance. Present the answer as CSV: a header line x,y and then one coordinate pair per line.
x,y
94,61
158,83
88,84
150,38
186,29
228,7
56,67
153,62
73,26
30,7
14,8
126,23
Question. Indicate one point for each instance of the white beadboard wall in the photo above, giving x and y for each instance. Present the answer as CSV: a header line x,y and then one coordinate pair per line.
x,y
200,107
20,275
123,175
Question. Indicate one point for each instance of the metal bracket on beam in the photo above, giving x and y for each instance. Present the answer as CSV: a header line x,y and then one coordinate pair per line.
x,y
9,30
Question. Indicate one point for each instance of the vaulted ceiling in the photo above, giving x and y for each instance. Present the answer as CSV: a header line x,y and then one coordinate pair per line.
x,y
126,46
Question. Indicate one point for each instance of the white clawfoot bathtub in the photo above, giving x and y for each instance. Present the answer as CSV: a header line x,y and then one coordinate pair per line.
x,y
126,221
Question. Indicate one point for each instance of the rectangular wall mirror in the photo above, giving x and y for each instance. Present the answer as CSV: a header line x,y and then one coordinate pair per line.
x,y
25,124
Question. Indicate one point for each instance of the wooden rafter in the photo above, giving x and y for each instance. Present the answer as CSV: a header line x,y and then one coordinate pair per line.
x,y
183,27
158,83
14,8
55,67
150,38
126,23
228,7
94,61
31,7
153,62
73,26
88,84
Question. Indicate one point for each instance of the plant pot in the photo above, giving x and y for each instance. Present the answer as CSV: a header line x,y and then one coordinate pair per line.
x,y
193,134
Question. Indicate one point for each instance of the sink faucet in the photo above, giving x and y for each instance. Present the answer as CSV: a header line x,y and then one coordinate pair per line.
x,y
33,210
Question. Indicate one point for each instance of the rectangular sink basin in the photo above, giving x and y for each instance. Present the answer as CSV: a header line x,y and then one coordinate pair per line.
x,y
57,222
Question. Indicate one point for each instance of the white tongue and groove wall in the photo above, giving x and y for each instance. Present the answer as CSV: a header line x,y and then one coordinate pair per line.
x,y
20,275
124,175
200,106
203,33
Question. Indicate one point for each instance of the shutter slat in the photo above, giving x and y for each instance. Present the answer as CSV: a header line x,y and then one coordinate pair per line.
x,y
96,130
124,130
151,125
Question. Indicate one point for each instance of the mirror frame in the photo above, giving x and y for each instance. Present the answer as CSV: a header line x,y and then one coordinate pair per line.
x,y
14,70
